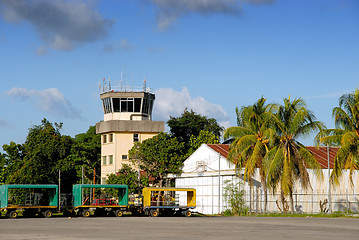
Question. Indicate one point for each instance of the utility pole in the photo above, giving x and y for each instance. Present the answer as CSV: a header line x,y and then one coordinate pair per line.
x,y
139,177
329,187
219,183
59,189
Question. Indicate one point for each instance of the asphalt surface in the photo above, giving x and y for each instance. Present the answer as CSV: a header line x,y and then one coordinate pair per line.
x,y
180,228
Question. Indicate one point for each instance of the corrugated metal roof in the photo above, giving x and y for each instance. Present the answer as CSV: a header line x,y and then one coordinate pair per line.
x,y
319,153
220,148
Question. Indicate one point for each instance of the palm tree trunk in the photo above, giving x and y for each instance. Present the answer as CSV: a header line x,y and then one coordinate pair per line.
x,y
291,203
264,188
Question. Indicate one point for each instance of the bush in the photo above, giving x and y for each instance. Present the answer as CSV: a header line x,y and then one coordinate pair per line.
x,y
234,196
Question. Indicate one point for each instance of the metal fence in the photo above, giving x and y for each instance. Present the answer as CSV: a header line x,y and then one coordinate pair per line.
x,y
303,202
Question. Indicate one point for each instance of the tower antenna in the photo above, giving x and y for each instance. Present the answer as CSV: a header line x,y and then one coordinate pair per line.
x,y
109,83
121,81
126,84
132,82
144,84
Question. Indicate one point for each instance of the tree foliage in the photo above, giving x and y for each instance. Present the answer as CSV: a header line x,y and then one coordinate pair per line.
x,y
191,124
234,196
267,138
86,154
159,156
289,159
128,176
345,135
45,152
252,140
12,160
204,137
37,161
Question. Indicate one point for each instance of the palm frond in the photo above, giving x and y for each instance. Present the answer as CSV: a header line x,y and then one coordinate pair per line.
x,y
275,167
342,119
236,132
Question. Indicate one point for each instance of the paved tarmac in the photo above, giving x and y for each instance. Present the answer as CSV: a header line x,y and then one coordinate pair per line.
x,y
180,228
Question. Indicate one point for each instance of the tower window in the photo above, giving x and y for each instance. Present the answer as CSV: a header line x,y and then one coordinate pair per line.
x,y
107,106
126,104
130,105
104,160
104,138
116,104
124,157
137,104
135,137
145,106
110,138
110,159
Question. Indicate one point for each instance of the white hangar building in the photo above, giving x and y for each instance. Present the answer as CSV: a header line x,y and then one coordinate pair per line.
x,y
208,169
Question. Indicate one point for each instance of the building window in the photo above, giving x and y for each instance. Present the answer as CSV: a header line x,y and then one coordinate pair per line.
x,y
110,138
104,138
126,104
107,107
110,159
135,137
124,157
104,160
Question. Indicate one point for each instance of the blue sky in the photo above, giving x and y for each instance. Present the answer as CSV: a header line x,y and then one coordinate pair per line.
x,y
208,55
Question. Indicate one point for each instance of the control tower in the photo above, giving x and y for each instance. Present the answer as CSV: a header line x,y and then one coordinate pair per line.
x,y
127,119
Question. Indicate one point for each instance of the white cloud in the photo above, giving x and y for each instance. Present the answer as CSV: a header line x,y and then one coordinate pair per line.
x,y
49,100
168,11
171,102
62,24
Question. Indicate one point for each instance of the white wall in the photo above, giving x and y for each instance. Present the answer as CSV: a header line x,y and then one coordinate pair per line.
x,y
206,184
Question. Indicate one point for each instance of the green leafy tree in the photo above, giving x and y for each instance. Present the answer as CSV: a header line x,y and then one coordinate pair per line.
x,y
39,159
128,176
158,156
204,137
11,160
2,168
253,139
290,159
86,154
345,135
190,124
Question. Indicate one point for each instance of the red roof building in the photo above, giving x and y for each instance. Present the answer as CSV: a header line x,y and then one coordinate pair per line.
x,y
320,153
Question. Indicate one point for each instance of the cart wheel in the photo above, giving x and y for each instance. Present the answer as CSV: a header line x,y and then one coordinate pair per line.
x,y
13,214
118,213
154,213
47,214
86,213
188,213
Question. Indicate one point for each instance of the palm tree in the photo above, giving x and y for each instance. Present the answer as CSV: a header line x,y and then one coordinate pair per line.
x,y
290,158
252,140
345,135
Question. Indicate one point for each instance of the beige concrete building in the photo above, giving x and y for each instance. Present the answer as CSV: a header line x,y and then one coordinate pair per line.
x,y
127,119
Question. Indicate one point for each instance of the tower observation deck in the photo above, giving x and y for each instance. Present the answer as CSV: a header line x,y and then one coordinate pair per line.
x,y
127,119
